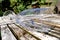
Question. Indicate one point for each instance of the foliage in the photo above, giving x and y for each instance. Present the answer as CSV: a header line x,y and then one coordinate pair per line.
x,y
1,13
20,5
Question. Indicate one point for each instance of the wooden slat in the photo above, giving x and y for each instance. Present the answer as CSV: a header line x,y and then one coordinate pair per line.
x,y
13,33
48,23
28,32
52,24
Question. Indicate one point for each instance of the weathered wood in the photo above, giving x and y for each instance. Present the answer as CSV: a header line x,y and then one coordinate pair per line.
x,y
13,33
28,32
48,23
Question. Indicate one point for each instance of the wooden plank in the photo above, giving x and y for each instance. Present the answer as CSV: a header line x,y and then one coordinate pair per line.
x,y
13,33
28,32
48,23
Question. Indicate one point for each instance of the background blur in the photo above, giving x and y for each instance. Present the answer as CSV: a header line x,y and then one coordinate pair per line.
x,y
19,5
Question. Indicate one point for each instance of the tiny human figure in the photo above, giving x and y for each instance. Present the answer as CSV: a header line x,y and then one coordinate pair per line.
x,y
56,10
